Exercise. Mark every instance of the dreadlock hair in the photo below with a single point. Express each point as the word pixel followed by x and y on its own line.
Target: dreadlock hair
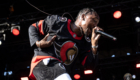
pixel 85 11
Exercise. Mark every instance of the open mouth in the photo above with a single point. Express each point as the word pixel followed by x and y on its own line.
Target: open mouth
pixel 87 36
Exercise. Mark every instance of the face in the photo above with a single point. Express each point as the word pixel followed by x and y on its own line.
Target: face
pixel 89 22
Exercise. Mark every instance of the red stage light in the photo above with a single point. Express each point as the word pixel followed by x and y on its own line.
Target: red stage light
pixel 24 78
pixel 138 65
pixel 77 76
pixel 15 32
pixel 117 14
pixel 88 72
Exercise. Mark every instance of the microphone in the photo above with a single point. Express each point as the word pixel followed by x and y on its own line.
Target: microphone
pixel 105 34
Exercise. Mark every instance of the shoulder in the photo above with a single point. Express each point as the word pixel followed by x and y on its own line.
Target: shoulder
pixel 31 28
pixel 55 18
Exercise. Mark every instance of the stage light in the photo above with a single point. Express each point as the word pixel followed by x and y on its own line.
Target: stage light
pixel 24 78
pixel 28 66
pixel 0 42
pixel 5 73
pixel 137 52
pixel 88 72
pixel 15 30
pixel 138 65
pixel 4 37
pixel 137 19
pixel 77 76
pixel 133 76
pixel 113 55
pixel 117 14
pixel 98 79
pixel 128 53
pixel 10 72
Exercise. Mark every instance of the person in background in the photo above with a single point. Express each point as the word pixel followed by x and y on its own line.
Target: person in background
pixel 127 76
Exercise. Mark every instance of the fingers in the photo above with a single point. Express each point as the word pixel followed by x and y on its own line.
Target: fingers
pixel 51 41
pixel 97 37
pixel 98 28
pixel 45 38
pixel 94 35
pixel 53 38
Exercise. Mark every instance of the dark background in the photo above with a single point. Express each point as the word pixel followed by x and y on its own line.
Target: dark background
pixel 16 53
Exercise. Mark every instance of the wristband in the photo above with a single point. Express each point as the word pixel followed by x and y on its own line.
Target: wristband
pixel 94 46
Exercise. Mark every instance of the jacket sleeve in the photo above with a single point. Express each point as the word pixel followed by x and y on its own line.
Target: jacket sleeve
pixel 38 30
pixel 33 35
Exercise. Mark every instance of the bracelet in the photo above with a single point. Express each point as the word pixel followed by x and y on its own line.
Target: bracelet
pixel 94 46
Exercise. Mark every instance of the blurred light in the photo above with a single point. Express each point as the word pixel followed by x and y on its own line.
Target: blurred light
pixel 128 53
pixel 137 52
pixel 77 76
pixel 137 19
pixel 11 9
pixel 113 55
pixel 117 14
pixel 5 73
pixel 98 79
pixel 2 31
pixel 24 78
pixel 15 29
pixel 4 36
pixel 10 72
pixel 15 32
pixel 138 65
pixel 134 76
pixel 88 72
pixel 0 42
pixel 28 66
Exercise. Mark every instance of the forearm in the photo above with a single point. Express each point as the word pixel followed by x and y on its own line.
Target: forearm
pixel 94 47
pixel 41 44
pixel 94 50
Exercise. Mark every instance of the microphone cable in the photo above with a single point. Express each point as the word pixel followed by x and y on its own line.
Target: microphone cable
pixel 37 8
pixel 45 12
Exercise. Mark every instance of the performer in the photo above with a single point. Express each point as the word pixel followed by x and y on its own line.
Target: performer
pixel 58 43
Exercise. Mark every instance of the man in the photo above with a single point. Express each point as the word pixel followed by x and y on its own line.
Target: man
pixel 127 76
pixel 58 43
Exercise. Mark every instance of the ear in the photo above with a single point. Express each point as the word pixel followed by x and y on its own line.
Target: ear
pixel 83 16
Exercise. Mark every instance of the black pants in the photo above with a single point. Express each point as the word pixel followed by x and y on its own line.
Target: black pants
pixel 50 71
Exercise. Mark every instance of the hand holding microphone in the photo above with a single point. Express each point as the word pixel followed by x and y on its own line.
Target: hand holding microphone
pixel 96 33
pixel 95 37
